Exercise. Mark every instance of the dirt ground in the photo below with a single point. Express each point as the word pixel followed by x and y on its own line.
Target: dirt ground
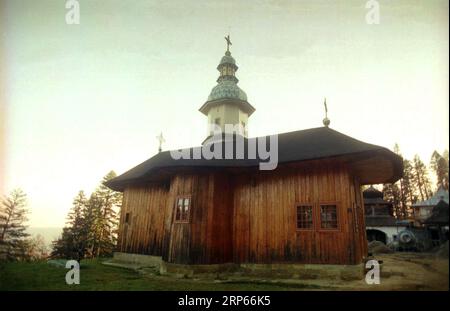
pixel 412 271
pixel 400 271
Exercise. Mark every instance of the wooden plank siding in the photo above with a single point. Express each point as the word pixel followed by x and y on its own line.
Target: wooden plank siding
pixel 248 217
pixel 147 210
pixel 265 216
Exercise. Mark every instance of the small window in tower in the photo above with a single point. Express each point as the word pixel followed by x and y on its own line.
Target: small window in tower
pixel 328 217
pixel 244 129
pixel 304 217
pixel 182 209
pixel 127 218
pixel 217 121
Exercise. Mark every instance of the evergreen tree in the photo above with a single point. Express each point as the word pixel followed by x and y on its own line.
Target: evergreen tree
pixel 92 224
pixel 13 215
pixel 107 219
pixel 421 180
pixel 439 164
pixel 66 246
pixel 73 242
pixel 408 195
pixel 391 194
pixel 402 192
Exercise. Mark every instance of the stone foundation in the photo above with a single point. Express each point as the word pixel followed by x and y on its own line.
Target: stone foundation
pixel 279 270
pixel 137 260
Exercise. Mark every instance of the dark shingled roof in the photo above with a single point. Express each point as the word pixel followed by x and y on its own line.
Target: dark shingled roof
pixel 315 143
pixel 372 193
pixel 374 196
pixel 439 215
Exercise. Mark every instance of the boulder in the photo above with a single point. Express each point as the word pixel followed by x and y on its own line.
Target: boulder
pixel 377 247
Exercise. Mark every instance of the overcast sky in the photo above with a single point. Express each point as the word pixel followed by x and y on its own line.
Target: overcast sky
pixel 83 99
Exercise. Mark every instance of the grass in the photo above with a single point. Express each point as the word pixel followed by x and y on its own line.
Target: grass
pixel 95 276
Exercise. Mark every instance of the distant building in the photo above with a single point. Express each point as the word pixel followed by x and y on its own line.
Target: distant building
pixel 423 209
pixel 381 225
pixel 437 223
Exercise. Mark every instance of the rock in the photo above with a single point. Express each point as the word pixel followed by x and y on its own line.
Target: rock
pixel 377 247
pixel 393 245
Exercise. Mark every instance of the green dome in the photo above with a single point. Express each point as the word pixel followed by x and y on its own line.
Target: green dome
pixel 227 89
pixel 227 59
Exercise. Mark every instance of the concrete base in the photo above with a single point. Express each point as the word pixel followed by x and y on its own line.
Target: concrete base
pixel 279 271
pixel 198 270
pixel 136 260
pixel 305 271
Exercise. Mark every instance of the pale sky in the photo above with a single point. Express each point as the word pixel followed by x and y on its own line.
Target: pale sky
pixel 80 100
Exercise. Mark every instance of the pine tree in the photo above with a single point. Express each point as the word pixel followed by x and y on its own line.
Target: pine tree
pixel 77 223
pixel 65 247
pixel 107 223
pixel 73 242
pixel 404 192
pixel 439 164
pixel 421 180
pixel 92 223
pixel 408 196
pixel 75 216
pixel 392 195
pixel 13 215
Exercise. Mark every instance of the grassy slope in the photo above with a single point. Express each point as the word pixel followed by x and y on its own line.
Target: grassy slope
pixel 95 276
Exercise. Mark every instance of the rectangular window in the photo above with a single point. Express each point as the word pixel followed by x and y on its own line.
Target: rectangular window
pixel 182 209
pixel 244 129
pixel 304 217
pixel 127 218
pixel 328 216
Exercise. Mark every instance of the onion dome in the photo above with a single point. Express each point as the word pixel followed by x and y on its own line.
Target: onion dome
pixel 227 88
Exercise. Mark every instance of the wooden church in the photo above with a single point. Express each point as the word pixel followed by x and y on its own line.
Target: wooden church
pixel 309 209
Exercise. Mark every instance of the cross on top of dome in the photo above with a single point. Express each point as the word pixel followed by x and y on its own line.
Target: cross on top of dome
pixel 227 38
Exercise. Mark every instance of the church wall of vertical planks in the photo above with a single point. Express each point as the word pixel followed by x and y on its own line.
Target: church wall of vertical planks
pixel 308 208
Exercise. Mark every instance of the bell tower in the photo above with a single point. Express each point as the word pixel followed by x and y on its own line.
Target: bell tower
pixel 227 103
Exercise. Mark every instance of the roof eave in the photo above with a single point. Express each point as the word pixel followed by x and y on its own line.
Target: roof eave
pixel 243 104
